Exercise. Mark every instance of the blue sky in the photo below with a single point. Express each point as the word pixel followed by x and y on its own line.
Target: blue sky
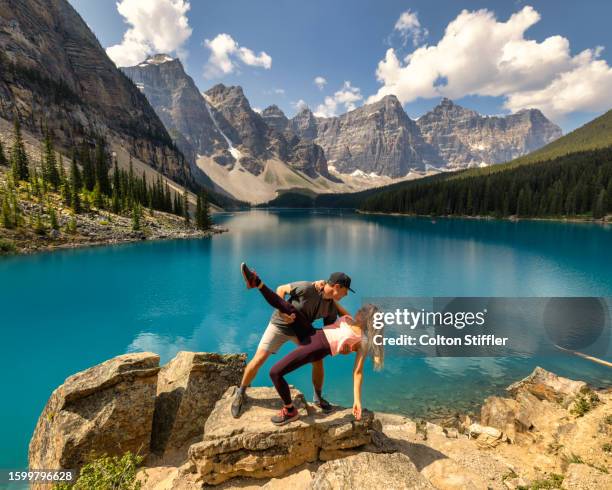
pixel 274 49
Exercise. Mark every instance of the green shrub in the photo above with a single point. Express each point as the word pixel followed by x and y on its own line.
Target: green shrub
pixel 6 246
pixel 584 402
pixel 107 473
pixel 553 481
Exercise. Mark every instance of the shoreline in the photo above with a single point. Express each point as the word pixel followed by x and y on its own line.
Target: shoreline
pixel 73 245
pixel 603 221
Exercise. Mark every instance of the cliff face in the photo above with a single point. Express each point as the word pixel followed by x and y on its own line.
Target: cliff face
pixel 381 138
pixel 179 104
pixel 54 73
pixel 376 137
pixel 464 138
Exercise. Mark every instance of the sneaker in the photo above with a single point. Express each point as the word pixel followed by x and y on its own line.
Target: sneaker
pixel 250 277
pixel 237 403
pixel 285 415
pixel 324 405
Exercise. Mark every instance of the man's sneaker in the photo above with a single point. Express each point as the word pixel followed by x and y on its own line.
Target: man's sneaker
pixel 250 277
pixel 324 405
pixel 285 416
pixel 237 402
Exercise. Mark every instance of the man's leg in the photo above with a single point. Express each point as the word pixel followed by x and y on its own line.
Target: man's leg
pixel 251 369
pixel 318 375
pixel 271 341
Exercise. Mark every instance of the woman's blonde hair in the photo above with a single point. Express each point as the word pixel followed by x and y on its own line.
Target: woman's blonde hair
pixel 365 319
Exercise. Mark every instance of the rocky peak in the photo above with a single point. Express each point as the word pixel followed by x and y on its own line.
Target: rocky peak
pixel 464 138
pixel 158 59
pixel 304 124
pixel 180 105
pixel 377 137
pixel 275 118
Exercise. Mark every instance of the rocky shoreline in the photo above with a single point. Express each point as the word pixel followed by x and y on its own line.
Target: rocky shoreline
pixel 548 432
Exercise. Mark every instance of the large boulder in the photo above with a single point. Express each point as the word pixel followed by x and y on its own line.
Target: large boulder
pixel 545 385
pixel 372 471
pixel 106 409
pixel 252 446
pixel 187 389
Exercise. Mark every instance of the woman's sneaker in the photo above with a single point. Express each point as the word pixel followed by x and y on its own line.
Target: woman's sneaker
pixel 250 277
pixel 285 416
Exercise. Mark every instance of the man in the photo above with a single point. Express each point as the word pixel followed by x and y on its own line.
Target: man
pixel 314 300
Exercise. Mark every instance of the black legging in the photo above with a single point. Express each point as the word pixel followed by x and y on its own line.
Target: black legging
pixel 313 344
pixel 301 326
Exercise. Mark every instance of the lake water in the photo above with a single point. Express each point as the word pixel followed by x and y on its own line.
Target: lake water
pixel 65 311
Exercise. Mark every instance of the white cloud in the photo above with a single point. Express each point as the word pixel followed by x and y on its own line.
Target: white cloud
pixel 225 52
pixel 155 26
pixel 279 91
pixel 300 105
pixel 320 82
pixel 347 97
pixel 479 55
pixel 409 27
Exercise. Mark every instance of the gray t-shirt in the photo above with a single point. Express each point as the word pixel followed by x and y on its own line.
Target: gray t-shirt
pixel 305 297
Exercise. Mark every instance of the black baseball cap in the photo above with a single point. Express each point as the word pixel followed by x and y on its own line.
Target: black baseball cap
pixel 340 278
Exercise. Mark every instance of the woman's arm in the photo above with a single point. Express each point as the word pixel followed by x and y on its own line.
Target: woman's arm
pixel 341 309
pixel 357 381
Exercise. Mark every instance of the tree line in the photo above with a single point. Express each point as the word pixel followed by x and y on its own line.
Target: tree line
pixel 94 180
pixel 578 184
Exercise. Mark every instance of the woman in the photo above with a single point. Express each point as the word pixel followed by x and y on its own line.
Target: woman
pixel 344 336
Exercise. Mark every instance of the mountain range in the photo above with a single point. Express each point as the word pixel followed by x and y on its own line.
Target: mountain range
pixel 57 77
pixel 254 156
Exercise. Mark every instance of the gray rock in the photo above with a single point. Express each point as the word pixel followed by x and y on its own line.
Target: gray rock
pixel 376 137
pixel 464 138
pixel 252 446
pixel 187 389
pixel 371 471
pixel 105 409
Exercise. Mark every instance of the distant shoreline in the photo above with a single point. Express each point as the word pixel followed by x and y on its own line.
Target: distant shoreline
pixel 603 221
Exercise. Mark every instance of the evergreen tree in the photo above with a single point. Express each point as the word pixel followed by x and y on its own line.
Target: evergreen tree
pixel 53 218
pixel 136 215
pixel 101 169
pixel 98 198
pixel 89 174
pixel 3 160
pixel 203 218
pixel 7 213
pixel 49 165
pixel 75 186
pixel 19 159
pixel 186 208
pixel 601 205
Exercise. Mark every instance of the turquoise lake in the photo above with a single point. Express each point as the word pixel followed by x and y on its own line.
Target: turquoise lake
pixel 65 311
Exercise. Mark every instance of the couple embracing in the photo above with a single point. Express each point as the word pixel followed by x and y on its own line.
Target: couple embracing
pixel 293 321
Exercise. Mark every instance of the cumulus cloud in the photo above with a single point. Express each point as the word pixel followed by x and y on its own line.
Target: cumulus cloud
pixel 409 28
pixel 155 26
pixel 479 55
pixel 300 105
pixel 346 97
pixel 225 54
pixel 320 82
